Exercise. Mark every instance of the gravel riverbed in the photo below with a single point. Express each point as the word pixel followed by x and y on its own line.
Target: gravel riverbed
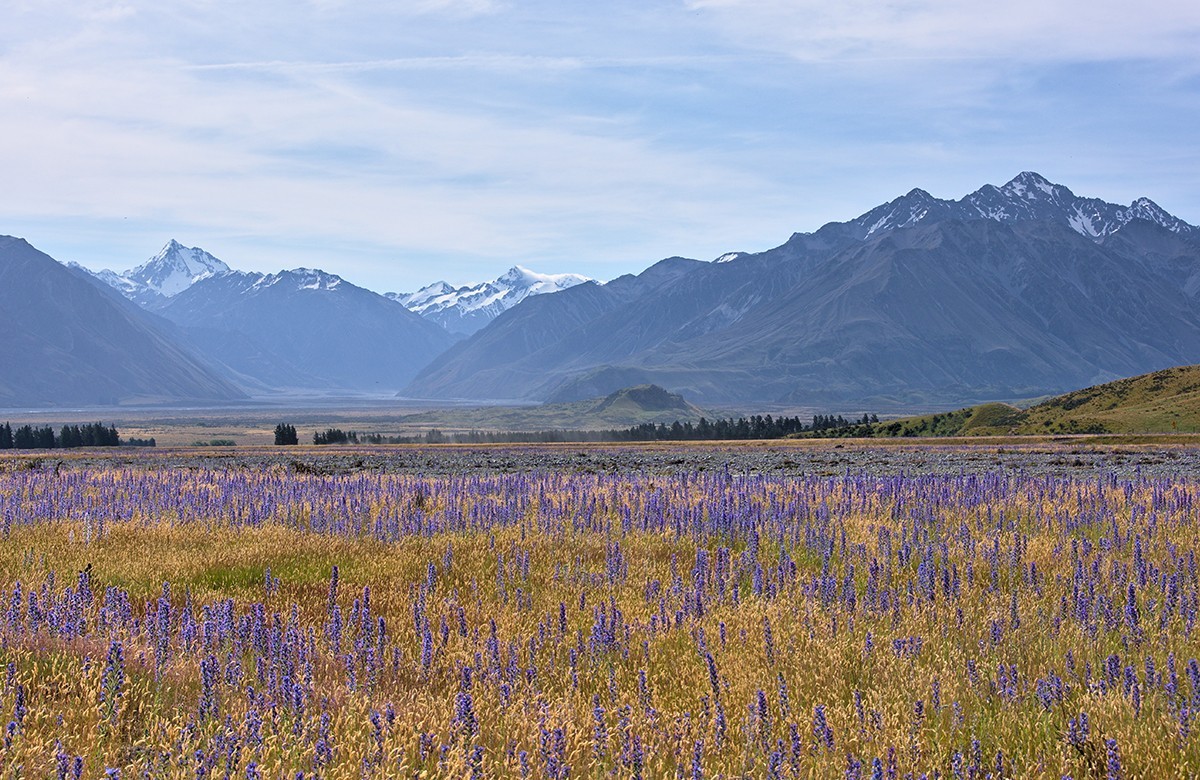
pixel 1060 458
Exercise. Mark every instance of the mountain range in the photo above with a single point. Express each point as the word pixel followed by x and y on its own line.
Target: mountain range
pixel 308 330
pixel 1010 292
pixel 1014 291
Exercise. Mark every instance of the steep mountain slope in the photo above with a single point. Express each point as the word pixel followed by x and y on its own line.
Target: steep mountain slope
pixel 305 329
pixel 465 310
pixel 1013 291
pixel 970 310
pixel 68 340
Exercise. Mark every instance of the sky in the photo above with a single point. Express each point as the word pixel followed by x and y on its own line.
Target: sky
pixel 405 141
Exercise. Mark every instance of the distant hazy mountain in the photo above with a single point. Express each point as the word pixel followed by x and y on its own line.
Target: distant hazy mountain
pixel 67 339
pixel 465 310
pixel 304 329
pixel 487 365
pixel 1013 291
pixel 163 276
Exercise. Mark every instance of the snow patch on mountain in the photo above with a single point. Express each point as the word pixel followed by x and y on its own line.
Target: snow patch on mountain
pixel 467 309
pixel 1029 196
pixel 298 279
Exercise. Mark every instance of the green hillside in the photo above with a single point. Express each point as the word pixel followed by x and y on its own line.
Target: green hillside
pixel 1165 401
pixel 1162 402
pixel 983 420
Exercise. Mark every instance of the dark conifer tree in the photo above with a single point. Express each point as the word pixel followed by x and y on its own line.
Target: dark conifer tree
pixel 285 434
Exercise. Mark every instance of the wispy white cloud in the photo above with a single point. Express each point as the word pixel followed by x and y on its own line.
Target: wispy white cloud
pixel 1014 30
pixel 367 136
pixel 320 154
pixel 489 62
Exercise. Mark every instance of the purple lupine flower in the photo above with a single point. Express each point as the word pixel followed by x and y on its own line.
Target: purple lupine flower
pixel 464 716
pixel 1132 616
pixel 820 728
pixel 698 760
pixel 775 765
pixel 600 729
pixel 761 714
pixel 714 679
pixel 20 707
pixel 476 762
pixel 113 680
pixel 210 670
pixel 768 641
pixel 1113 763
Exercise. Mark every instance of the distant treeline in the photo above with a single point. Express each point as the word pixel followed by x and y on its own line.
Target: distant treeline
pixel 753 427
pixel 338 436
pixel 27 437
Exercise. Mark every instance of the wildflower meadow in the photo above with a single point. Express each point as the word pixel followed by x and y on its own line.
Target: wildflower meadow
pixel 238 623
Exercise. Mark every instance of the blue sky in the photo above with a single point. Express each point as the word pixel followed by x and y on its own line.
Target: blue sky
pixel 396 143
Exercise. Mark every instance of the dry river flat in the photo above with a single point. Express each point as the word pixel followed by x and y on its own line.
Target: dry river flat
pixel 1166 456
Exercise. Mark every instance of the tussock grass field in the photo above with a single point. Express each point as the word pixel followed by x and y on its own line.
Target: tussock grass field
pixel 185 622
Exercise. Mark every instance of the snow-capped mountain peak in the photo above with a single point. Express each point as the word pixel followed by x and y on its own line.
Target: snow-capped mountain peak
pixel 175 268
pixel 1144 208
pixel 1028 184
pixel 467 309
pixel 1028 196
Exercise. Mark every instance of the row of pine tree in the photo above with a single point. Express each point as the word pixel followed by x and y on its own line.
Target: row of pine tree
pixel 752 427
pixel 27 437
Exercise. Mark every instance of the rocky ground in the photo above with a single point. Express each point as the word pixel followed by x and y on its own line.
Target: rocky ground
pixel 826 458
